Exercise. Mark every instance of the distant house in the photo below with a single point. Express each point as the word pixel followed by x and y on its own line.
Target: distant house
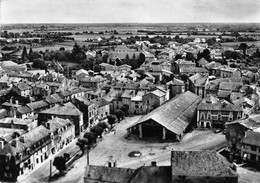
pixel 102 108
pixel 154 99
pixel 226 72
pixel 202 62
pixel 176 87
pixel 237 131
pixel 41 89
pixel 215 115
pixel 170 120
pixel 66 111
pixel 87 108
pixel 180 64
pixel 198 83
pixel 124 67
pixel 22 89
pixel 24 153
pixel 193 71
pixel 108 67
pixel 92 82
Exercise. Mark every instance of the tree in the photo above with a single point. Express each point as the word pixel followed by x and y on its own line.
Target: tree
pixel 34 55
pixel 39 63
pixel 97 130
pixel 190 56
pixel 178 56
pixel 111 119
pixel 103 125
pixel 91 137
pixel 141 59
pixel 96 68
pixel 205 54
pixel 125 109
pixel 243 47
pixel 24 54
pixel 120 115
pixel 60 163
pixel 77 53
pixel 82 142
pixel 127 60
pixel 30 52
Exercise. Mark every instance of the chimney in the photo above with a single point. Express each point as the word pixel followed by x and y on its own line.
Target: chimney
pixel 109 164
pixel 47 125
pixel 22 139
pixel 2 145
pixel 14 142
pixel 153 163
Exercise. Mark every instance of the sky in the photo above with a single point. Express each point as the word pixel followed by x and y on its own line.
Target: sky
pixel 129 11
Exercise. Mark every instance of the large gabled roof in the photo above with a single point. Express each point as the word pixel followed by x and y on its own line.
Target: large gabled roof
pixel 67 109
pixel 176 114
pixel 200 163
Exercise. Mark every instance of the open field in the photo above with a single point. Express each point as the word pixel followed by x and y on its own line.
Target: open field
pixel 233 44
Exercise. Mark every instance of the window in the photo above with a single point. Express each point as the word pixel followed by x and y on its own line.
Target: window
pixel 208 116
pixel 253 148
pixel 37 161
pixel 202 116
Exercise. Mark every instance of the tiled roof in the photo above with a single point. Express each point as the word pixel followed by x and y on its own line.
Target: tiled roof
pixel 6 133
pixel 194 70
pixel 158 93
pixel 200 163
pixel 22 86
pixel 230 86
pixel 24 110
pixel 54 98
pixel 203 61
pixel 176 114
pixel 30 138
pixel 37 105
pixel 128 94
pixel 220 106
pixel 100 102
pixel 85 100
pixel 16 121
pixel 66 110
pixel 252 138
pixel 108 174
pixel 252 123
pixel 57 123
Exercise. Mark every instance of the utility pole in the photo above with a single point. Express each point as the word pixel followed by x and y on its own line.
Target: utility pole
pixel 50 168
pixel 87 154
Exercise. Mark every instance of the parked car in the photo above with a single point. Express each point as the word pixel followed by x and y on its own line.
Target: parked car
pixel 217 130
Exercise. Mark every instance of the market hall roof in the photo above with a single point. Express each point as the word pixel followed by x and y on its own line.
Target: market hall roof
pixel 176 114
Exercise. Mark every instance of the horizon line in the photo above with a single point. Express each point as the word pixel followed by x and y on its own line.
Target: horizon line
pixel 138 23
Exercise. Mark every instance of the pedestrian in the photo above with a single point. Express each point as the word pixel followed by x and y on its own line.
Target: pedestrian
pixel 114 132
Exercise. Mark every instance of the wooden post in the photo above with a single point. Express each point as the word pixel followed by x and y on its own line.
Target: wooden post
pixel 140 131
pixel 87 155
pixel 164 134
pixel 50 168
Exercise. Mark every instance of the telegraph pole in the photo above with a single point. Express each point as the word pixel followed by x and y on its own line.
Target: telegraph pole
pixel 87 154
pixel 50 168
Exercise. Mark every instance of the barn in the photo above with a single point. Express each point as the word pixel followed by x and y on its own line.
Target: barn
pixel 170 120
